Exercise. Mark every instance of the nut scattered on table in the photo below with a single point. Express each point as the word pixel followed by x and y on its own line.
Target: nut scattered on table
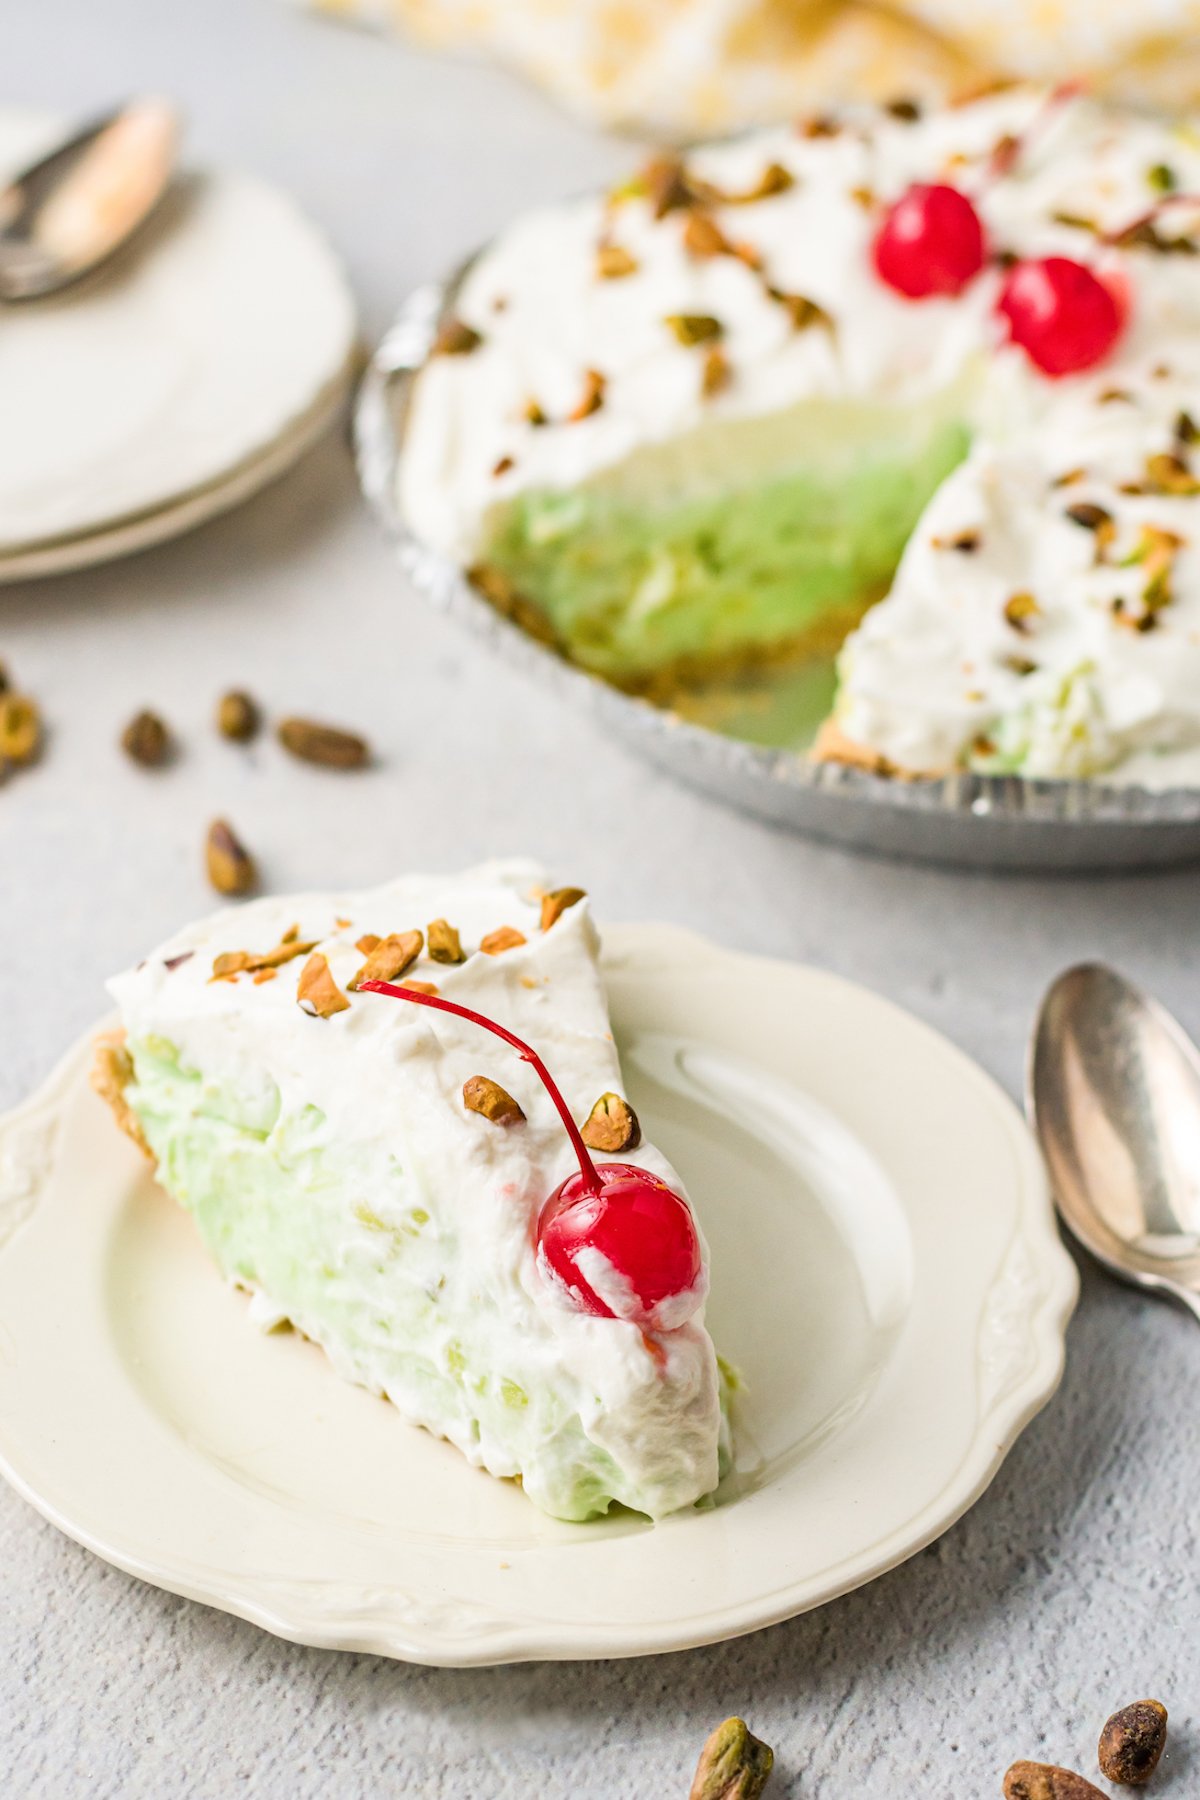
pixel 1045 1781
pixel 238 716
pixel 734 1764
pixel 1132 1742
pixel 230 866
pixel 327 745
pixel 612 1125
pixel 147 740
pixel 494 1103
pixel 20 728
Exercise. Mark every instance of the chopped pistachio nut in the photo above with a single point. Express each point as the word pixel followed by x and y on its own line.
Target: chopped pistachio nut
pixel 238 716
pixel 445 945
pixel 20 728
pixel 147 740
pixel 693 328
pixel 230 866
pixel 702 236
pixel 235 962
pixel 317 992
pixel 1162 178
pixel 613 262
pixel 1186 429
pixel 612 1125
pixel 533 414
pixel 592 398
pixel 506 937
pixel 664 182
pixel 734 1764
pixel 1167 473
pixel 326 745
pixel 555 904
pixel 389 959
pixel 1019 610
pixel 802 311
pixel 492 1102
pixel 455 338
pixel 717 374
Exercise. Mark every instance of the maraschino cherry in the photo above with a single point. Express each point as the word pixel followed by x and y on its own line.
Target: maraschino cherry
pixel 931 242
pixel 607 1217
pixel 1061 313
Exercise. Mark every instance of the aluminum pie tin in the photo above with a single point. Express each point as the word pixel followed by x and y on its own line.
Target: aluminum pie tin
pixel 976 821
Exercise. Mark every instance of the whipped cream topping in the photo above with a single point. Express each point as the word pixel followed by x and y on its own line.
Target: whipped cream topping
pixel 931 681
pixel 383 1081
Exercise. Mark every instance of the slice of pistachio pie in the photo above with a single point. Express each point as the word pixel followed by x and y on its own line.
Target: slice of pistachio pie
pixel 397 1119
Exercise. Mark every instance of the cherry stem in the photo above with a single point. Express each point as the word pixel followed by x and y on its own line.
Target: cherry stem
pixel 587 1167
pixel 1005 160
pixel 1149 216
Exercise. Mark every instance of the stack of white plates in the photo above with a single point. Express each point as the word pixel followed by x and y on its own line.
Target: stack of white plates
pixel 172 383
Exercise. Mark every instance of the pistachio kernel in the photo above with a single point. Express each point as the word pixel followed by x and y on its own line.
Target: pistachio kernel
pixel 506 937
pixel 389 959
pixel 238 716
pixel 613 262
pixel 1167 473
pixel 1162 178
pixel 230 866
pixel 445 945
pixel 326 745
pixel 612 1125
pixel 803 312
pixel 1186 429
pixel 236 962
pixel 147 740
pixel 1045 1781
pixel 1132 1742
pixel 492 1102
pixel 556 904
pixel 717 374
pixel 455 338
pixel 702 236
pixel 1019 609
pixel 693 328
pixel 20 728
pixel 592 398
pixel 317 992
pixel 734 1764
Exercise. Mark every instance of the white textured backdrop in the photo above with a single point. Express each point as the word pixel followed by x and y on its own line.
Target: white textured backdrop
pixel 1070 1588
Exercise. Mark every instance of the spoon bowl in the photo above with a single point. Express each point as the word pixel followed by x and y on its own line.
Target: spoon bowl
pixel 1114 1097
pixel 72 209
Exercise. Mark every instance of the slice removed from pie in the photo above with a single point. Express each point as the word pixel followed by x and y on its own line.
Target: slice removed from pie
pixel 401 1186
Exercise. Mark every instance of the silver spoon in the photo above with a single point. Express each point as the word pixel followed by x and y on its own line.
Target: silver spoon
pixel 70 210
pixel 1114 1096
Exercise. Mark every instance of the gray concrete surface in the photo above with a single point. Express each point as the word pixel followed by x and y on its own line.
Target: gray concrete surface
pixel 1071 1587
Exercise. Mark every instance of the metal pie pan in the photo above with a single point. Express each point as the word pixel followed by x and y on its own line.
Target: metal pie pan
pixel 980 821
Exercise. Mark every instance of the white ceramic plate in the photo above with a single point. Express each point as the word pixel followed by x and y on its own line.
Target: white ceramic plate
pixel 886 1275
pixel 209 339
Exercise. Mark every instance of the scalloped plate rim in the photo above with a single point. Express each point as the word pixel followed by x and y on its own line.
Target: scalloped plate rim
pixel 369 1621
